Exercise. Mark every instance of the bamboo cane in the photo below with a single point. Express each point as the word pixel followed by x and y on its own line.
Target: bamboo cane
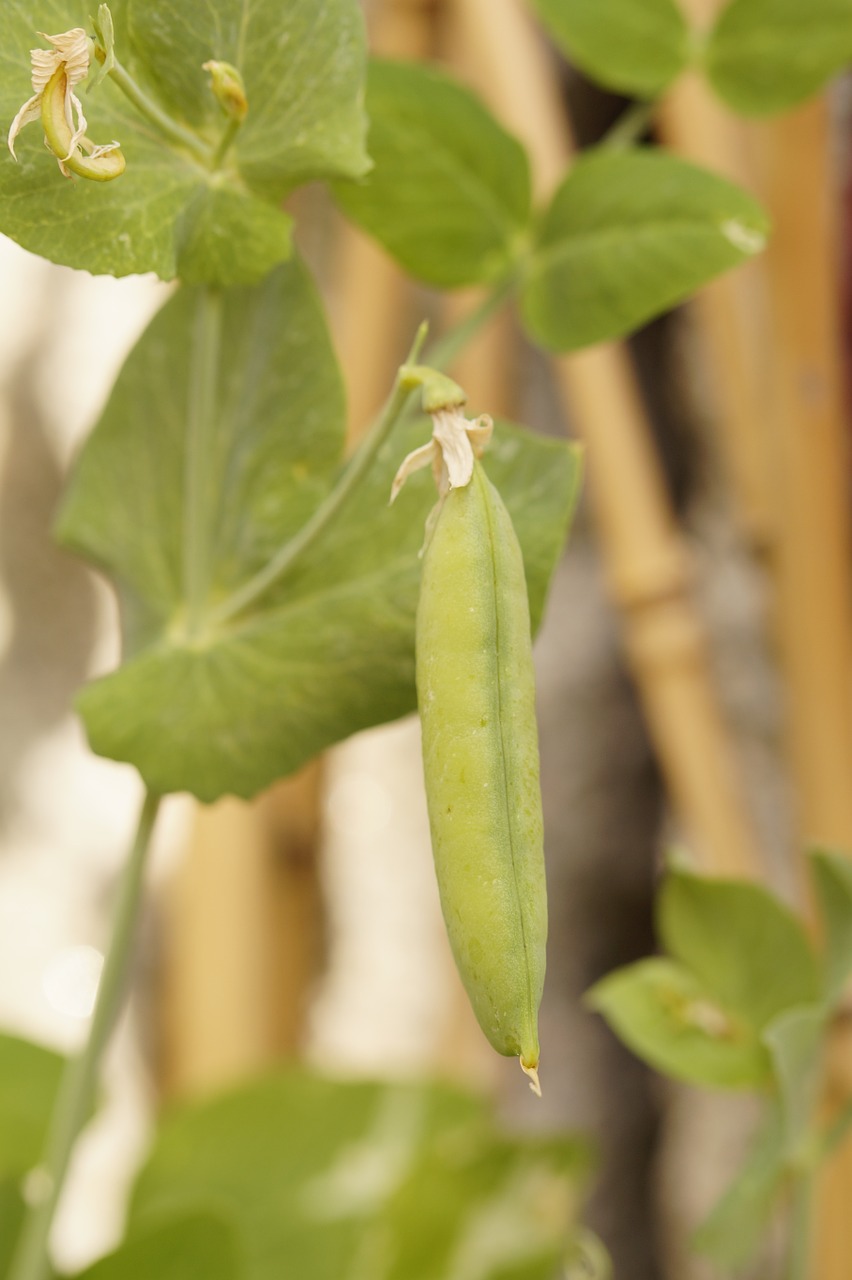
pixel 375 294
pixel 813 568
pixel 242 948
pixel 731 312
pixel 216 998
pixel 646 560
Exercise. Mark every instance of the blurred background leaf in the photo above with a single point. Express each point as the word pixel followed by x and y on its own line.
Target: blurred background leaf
pixel 449 196
pixel 635 48
pixel 628 235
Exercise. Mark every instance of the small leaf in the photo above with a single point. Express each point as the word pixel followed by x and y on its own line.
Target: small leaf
pixel 732 1233
pixel 795 1041
pixel 449 196
pixel 767 55
pixel 628 235
pixel 748 950
pixel 671 1021
pixel 832 878
pixel 329 650
pixel 634 46
pixel 29 1079
pixel 202 1244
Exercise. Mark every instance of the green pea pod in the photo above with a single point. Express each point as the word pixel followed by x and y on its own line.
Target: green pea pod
pixel 476 694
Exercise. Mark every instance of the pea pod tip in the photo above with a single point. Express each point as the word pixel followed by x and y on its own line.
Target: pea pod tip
pixel 532 1073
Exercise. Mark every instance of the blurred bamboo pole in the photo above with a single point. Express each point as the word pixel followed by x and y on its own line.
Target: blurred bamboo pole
pixel 731 312
pixel 374 292
pixel 244 938
pixel 813 565
pixel 646 560
pixel 810 471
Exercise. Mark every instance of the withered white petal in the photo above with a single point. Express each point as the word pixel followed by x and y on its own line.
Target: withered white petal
pixel 456 443
pixel 71 52
pixel 425 456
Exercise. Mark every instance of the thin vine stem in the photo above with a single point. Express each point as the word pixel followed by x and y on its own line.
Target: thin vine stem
pixel 630 126
pixel 227 140
pixel 201 453
pixel 79 1082
pixel 443 352
pixel 155 115
pixel 439 356
pixel 325 513
pixel 800 1231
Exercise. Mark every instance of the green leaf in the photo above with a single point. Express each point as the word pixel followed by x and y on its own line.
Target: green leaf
pixel 302 64
pixel 768 55
pixel 171 212
pixel 29 1079
pixel 406 1182
pixel 628 235
pixel 671 1020
pixel 733 1232
pixel 795 1041
pixel 329 650
pixel 229 238
pixel 197 1244
pixel 743 945
pixel 449 196
pixel 12 1210
pixel 634 46
pixel 832 878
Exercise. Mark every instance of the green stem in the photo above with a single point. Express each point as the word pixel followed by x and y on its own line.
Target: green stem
pixel 201 453
pixel 800 1231
pixel 441 354
pixel 226 141
pixel 79 1082
pixel 447 348
pixel 630 126
pixel 325 513
pixel 155 115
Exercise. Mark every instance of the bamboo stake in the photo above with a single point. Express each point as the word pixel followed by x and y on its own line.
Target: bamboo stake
pixel 813 568
pixel 730 312
pixel 810 477
pixel 375 293
pixel 216 997
pixel 646 560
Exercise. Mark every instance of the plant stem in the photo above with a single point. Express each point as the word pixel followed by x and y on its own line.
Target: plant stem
pixel 201 453
pixel 440 355
pixel 325 513
pixel 79 1082
pixel 800 1232
pixel 225 142
pixel 630 125
pixel 447 348
pixel 147 107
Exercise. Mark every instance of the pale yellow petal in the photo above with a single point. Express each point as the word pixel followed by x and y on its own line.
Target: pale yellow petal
pixel 449 428
pixel 72 49
pixel 29 112
pixel 416 461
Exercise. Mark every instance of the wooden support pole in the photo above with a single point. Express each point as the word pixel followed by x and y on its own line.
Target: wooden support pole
pixel 810 474
pixel 646 561
pixel 235 982
pixel 813 568
pixel 374 293
pixel 731 313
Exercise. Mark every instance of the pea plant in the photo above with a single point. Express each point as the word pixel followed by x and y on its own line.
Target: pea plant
pixel 273 602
